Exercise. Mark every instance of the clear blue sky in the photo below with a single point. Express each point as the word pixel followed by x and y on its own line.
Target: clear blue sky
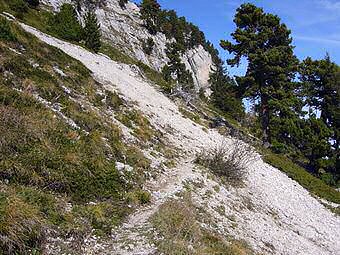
pixel 315 24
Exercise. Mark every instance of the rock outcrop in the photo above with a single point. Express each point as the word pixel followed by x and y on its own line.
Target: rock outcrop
pixel 123 28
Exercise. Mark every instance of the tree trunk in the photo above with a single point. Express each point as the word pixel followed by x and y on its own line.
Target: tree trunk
pixel 265 121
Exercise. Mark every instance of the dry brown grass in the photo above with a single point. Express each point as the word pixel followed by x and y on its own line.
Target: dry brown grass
pixel 177 221
pixel 228 161
pixel 21 226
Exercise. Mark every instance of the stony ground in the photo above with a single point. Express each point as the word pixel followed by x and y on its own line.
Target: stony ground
pixel 273 213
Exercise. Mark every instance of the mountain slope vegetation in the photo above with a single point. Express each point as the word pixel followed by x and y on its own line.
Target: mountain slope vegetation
pixel 98 155
pixel 58 145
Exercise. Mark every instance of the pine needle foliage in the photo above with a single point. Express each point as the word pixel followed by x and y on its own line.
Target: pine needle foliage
pixel 92 33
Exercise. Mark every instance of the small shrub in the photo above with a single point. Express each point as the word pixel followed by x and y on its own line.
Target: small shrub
pixel 5 30
pixel 176 222
pixel 144 197
pixel 102 216
pixel 228 161
pixel 148 46
pixel 113 100
pixel 139 196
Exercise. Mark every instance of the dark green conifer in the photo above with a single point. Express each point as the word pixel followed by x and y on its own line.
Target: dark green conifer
pixel 321 80
pixel 19 7
pixel 66 25
pixel 176 68
pixel 5 30
pixel 148 45
pixel 92 33
pixel 266 43
pixel 33 3
pixel 122 3
pixel 150 12
pixel 224 93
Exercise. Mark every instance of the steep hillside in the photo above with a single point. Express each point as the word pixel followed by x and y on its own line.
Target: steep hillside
pixel 123 28
pixel 96 159
pixel 271 212
pixel 67 146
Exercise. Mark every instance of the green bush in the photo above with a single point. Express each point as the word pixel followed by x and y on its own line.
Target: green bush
pixel 143 197
pixel 229 162
pixel 5 30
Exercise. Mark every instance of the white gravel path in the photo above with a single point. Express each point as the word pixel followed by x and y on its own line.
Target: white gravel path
pixel 283 219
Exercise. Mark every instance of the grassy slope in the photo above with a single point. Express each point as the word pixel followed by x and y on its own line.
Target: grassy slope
pixel 46 163
pixel 49 164
pixel 178 221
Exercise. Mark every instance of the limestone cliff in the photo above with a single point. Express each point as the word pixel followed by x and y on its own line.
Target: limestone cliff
pixel 123 28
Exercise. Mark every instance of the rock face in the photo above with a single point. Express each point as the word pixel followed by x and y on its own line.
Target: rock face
pixel 123 28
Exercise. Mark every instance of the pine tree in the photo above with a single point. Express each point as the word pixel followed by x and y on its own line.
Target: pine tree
pixel 148 45
pixel 6 33
pixel 321 79
pixel 176 68
pixel 150 12
pixel 314 144
pixel 65 24
pixel 266 43
pixel 224 91
pixel 19 7
pixel 92 33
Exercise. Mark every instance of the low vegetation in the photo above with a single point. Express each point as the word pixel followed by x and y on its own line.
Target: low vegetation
pixel 178 223
pixel 137 123
pixel 228 161
pixel 191 115
pixel 57 148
